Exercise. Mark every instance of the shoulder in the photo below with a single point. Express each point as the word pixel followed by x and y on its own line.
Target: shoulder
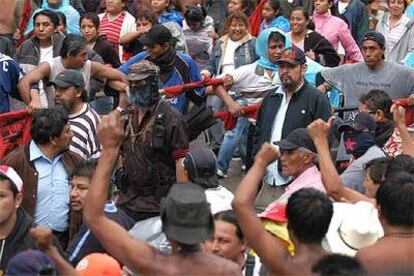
pixel 186 58
pixel 16 156
pixel 392 66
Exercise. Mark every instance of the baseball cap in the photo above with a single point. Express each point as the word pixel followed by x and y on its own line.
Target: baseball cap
pixel 275 212
pixel 353 226
pixel 292 55
pixel 361 122
pixel 374 36
pixel 31 262
pixel 200 164
pixel 98 264
pixel 296 139
pixel 68 78
pixel 142 70
pixel 11 174
pixel 158 34
pixel 185 214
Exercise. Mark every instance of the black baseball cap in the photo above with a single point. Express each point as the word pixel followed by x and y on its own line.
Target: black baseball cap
pixel 296 139
pixel 200 164
pixel 186 215
pixel 374 36
pixel 361 122
pixel 68 78
pixel 158 34
pixel 292 55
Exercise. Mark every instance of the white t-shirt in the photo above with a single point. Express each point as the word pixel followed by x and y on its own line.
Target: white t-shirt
pixel 46 54
pixel 228 56
pixel 342 6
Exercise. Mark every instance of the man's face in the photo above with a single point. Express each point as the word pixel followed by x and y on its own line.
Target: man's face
pixel 43 27
pixel 7 202
pixel 293 162
pixel 291 75
pixel 67 97
pixel 226 242
pixel 372 53
pixel 62 142
pixel 157 50
pixel 79 190
pixel 274 50
pixel 79 60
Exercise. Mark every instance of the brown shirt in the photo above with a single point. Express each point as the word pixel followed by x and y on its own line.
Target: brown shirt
pixel 151 173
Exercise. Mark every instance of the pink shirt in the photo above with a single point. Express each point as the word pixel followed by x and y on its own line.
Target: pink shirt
pixel 336 31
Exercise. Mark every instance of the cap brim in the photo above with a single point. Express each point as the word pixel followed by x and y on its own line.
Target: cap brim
pixel 137 77
pixel 207 182
pixel 59 83
pixel 349 125
pixel 288 61
pixel 286 145
pixel 146 41
pixel 189 235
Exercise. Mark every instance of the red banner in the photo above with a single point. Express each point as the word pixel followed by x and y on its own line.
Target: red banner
pixel 14 130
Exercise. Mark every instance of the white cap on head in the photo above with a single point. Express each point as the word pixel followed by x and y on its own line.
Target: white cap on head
pixel 11 174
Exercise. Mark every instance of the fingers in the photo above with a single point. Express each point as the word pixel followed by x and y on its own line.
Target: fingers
pixel 331 121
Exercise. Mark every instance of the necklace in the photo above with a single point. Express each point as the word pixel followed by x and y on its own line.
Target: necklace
pixel 405 235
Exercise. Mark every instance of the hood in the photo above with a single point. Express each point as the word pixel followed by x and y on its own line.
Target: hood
pixel 261 47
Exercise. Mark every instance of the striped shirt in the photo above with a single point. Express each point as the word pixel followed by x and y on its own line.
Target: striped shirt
pixel 112 27
pixel 84 126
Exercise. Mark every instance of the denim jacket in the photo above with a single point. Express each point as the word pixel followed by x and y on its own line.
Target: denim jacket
pixel 245 53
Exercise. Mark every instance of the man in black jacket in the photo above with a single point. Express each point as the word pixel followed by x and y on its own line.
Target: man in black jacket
pixel 293 105
pixel 15 223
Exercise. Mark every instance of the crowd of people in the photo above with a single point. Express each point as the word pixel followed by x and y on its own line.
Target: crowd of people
pixel 135 109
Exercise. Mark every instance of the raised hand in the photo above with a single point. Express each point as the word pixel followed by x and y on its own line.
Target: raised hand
pixel 320 129
pixel 398 114
pixel 43 237
pixel 111 131
pixel 267 154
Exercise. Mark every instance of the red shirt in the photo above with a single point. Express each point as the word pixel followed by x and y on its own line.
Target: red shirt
pixel 112 27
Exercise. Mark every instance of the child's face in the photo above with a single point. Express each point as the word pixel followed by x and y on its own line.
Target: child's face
pixel 268 12
pixel 143 25
pixel 159 6
pixel 234 5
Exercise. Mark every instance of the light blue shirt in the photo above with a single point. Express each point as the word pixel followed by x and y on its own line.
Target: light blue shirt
pixel 53 191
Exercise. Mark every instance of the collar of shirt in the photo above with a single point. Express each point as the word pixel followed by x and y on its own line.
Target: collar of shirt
pixel 36 153
pixel 308 179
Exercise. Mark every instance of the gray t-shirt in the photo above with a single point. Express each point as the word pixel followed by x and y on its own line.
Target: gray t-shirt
pixel 357 79
pixel 353 177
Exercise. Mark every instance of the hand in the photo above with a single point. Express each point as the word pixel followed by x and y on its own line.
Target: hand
pixel 34 104
pixel 319 129
pixel 205 74
pixel 267 154
pixel 311 54
pixel 411 99
pixel 213 35
pixel 398 114
pixel 111 131
pixel 228 81
pixel 235 109
pixel 43 237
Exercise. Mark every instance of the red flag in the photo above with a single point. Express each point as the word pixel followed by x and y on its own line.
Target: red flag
pixel 14 130
pixel 173 91
pixel 249 111
pixel 256 18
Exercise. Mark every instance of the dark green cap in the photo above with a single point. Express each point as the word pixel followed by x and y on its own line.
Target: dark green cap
pixel 68 78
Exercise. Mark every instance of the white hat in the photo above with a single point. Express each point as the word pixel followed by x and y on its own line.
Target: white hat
pixel 11 174
pixel 353 226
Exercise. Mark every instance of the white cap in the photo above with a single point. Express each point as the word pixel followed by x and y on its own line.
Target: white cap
pixel 353 226
pixel 11 174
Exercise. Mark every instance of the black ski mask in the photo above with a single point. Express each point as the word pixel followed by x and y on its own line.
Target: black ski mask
pixel 145 93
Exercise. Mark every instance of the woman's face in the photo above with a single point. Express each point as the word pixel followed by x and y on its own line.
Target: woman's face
pixel 371 187
pixel 159 6
pixel 297 22
pixel 234 5
pixel 396 7
pixel 114 6
pixel 322 6
pixel 237 29
pixel 88 29
pixel 268 12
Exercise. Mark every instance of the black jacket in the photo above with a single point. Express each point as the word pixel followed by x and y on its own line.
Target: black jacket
pixel 324 52
pixel 19 239
pixel 305 106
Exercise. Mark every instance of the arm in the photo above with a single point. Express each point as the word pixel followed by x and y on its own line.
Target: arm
pixel 271 250
pixel 350 46
pixel 44 240
pixel 319 132
pixel 398 113
pixel 140 256
pixel 234 108
pixel 179 171
pixel 115 78
pixel 34 76
pixel 127 38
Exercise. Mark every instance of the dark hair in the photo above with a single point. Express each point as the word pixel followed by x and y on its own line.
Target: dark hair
pixel 46 124
pixel 400 163
pixel 62 17
pixel 247 6
pixel 377 99
pixel 147 14
pixel 230 217
pixel 236 16
pixel 337 264
pixel 310 25
pixel 72 45
pixel 85 169
pixel 12 187
pixel 92 17
pixel 276 36
pixel 54 18
pixel 309 214
pixel 275 4
pixel 195 14
pixel 378 168
pixel 395 199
